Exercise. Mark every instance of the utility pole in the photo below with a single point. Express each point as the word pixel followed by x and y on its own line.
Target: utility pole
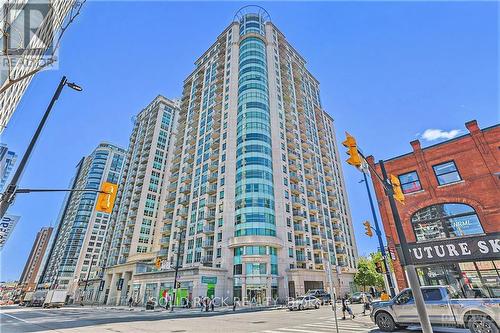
pixel 7 198
pixel 88 275
pixel 406 260
pixel 379 236
pixel 176 274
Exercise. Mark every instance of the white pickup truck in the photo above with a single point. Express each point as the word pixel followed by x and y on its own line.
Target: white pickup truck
pixel 444 308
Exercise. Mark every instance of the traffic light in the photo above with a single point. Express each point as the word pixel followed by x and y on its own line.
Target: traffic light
pixel 379 267
pixel 396 187
pixel 350 143
pixel 178 285
pixel 368 229
pixel 158 263
pixel 106 198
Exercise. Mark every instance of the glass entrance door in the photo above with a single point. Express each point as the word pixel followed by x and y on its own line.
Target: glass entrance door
pixel 256 295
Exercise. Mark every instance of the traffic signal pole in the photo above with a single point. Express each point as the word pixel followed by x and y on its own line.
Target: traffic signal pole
pixel 380 241
pixel 406 260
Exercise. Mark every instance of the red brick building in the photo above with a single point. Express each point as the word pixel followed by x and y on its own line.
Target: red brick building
pixel 451 212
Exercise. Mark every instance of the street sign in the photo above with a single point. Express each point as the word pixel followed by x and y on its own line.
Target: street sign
pixel 209 279
pixel 6 227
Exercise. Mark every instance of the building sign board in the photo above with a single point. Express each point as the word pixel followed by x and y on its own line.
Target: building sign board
pixel 209 279
pixel 483 247
pixel 6 227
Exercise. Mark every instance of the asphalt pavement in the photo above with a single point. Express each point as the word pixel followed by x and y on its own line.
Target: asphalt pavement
pixel 120 319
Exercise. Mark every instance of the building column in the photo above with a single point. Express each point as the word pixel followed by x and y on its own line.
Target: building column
pixel 112 289
pixel 123 297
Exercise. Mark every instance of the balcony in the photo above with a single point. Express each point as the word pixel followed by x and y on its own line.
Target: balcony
pixel 207 259
pixel 212 189
pixel 339 239
pixel 208 243
pixel 169 207
pixel 299 214
pixel 301 258
pixel 318 261
pixel 185 189
pixel 181 224
pixel 298 227
pixel 166 229
pixel 299 242
pixel 214 166
pixel 163 252
pixel 212 177
pixel 183 212
pixel 296 189
pixel 315 232
pixel 209 228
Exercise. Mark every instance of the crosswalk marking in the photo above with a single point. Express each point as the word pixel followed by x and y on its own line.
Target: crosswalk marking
pixel 326 326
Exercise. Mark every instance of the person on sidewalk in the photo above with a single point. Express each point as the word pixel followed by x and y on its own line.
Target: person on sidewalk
pixel 207 303
pixel 212 304
pixel 366 303
pixel 202 304
pixel 130 301
pixel 347 308
pixel 384 296
pixel 344 308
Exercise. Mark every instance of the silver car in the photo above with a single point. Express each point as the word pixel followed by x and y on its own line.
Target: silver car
pixel 304 302
pixel 444 308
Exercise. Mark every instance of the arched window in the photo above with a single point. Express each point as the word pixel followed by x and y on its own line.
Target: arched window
pixel 447 220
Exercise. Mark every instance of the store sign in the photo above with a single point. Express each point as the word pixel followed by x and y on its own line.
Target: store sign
pixel 209 279
pixel 482 247
pixel 6 227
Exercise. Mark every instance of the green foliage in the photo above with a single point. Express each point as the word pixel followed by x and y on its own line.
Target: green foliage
pixel 367 275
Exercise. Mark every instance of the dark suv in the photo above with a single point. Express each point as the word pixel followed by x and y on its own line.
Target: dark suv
pixel 320 294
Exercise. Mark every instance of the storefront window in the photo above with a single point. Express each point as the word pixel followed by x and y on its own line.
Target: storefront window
pixel 467 279
pixel 445 221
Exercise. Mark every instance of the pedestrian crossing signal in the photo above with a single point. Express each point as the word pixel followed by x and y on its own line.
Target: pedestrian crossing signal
pixel 106 197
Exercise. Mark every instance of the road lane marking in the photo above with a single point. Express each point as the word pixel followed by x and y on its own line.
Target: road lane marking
pixel 14 317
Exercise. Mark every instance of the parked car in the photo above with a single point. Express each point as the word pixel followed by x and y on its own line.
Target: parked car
pixel 358 297
pixel 320 294
pixel 443 306
pixel 304 302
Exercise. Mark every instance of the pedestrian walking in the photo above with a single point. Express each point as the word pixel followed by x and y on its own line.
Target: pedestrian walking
pixel 212 304
pixel 207 303
pixel 384 296
pixel 130 301
pixel 344 308
pixel 234 304
pixel 202 304
pixel 366 303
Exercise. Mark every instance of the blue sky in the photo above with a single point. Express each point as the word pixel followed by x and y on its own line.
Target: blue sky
pixel 388 72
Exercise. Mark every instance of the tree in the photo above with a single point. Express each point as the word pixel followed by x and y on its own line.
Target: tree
pixel 367 274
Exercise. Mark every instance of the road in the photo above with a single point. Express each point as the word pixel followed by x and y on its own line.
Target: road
pixel 66 320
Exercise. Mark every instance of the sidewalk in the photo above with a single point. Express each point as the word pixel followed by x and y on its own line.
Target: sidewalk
pixel 180 311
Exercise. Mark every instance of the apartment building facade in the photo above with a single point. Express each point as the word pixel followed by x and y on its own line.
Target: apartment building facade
pixel 7 161
pixel 256 205
pixel 26 55
pixel 135 231
pixel 77 246
pixel 28 280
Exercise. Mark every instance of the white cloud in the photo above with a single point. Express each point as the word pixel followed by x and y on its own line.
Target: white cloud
pixel 436 134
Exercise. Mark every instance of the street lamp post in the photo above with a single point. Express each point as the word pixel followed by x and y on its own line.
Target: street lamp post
pixel 176 274
pixel 7 198
pixel 88 275
pixel 379 236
